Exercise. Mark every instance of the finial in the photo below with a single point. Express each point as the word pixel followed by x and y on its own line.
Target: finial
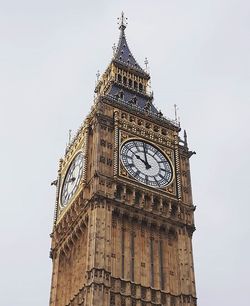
pixel 97 75
pixel 122 22
pixel 114 49
pixel 175 112
pixel 185 138
pixel 146 63
pixel 70 136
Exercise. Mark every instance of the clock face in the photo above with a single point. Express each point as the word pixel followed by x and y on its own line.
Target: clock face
pixel 146 163
pixel 72 179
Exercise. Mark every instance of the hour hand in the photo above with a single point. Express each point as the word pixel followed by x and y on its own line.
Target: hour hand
pixel 138 157
pixel 145 163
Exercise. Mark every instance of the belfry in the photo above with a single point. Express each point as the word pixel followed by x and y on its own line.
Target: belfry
pixel 124 215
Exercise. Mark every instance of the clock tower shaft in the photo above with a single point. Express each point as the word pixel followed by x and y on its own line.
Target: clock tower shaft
pixel 118 240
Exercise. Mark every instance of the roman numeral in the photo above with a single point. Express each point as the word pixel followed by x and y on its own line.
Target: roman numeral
pixel 156 181
pixel 137 173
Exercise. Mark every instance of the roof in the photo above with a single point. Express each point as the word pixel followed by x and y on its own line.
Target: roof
pixel 123 55
pixel 131 98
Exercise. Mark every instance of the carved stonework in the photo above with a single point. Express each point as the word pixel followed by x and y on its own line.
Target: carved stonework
pixel 118 241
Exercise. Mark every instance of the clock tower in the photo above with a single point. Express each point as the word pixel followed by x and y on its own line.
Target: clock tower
pixel 123 223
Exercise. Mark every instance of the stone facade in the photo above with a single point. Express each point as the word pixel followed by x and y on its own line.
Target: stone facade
pixel 119 242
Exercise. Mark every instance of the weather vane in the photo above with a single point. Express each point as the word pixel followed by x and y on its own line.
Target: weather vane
pixel 122 21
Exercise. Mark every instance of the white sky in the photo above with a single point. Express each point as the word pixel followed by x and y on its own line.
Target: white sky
pixel 199 57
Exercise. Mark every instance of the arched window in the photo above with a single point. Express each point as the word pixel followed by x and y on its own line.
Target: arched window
pixel 140 87
pixel 135 85
pixel 130 83
pixel 125 81
pixel 119 78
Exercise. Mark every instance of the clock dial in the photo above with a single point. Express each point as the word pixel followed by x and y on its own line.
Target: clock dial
pixel 146 163
pixel 72 179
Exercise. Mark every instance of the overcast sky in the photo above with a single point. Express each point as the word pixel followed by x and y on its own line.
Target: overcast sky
pixel 199 58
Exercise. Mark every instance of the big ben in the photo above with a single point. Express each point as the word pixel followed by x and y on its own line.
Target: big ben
pixel 124 215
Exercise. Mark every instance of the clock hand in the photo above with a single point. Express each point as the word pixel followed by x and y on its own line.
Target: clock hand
pixel 146 160
pixel 145 163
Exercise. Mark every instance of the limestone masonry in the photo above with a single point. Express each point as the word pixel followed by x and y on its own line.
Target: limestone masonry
pixel 124 215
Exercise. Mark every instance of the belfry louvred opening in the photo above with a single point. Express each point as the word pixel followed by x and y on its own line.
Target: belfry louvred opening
pixel 124 215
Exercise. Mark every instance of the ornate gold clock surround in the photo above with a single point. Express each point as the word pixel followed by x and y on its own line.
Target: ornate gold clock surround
pixel 125 136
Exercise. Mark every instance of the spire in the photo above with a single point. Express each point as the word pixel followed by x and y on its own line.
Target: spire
pixel 122 22
pixel 122 54
pixel 124 82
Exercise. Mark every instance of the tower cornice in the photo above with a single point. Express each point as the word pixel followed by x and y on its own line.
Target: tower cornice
pixel 134 109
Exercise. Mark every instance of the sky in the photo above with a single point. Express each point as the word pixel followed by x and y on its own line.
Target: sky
pixel 199 59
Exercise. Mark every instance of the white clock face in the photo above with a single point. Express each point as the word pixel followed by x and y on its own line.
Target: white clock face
pixel 72 179
pixel 146 163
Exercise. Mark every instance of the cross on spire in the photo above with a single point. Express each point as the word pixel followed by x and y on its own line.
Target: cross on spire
pixel 122 22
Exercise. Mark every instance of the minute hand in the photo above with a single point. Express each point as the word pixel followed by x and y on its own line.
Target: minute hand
pixel 146 160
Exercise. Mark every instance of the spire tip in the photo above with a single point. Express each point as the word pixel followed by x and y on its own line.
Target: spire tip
pixel 122 22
